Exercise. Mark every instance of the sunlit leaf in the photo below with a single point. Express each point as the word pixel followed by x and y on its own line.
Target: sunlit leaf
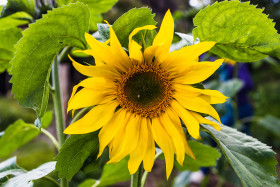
pixel 253 161
pixel 9 167
pixel 36 50
pixel 205 155
pixel 74 152
pixel 26 179
pixel 242 32
pixel 14 20
pixel 13 6
pixel 16 135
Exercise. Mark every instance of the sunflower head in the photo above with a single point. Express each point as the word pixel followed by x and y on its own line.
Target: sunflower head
pixel 140 99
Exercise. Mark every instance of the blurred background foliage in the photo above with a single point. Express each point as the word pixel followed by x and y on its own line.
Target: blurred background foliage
pixel 264 97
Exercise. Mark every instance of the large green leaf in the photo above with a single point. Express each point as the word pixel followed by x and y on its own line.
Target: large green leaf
pixel 9 37
pixel 242 32
pixel 136 17
pixel 9 167
pixel 205 155
pixel 253 161
pixel 26 179
pixel 74 152
pixel 17 135
pixel 96 8
pixel 270 123
pixel 31 65
pixel 20 5
pixel 14 20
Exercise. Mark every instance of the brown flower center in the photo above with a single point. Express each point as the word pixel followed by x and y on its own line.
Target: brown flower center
pixel 145 89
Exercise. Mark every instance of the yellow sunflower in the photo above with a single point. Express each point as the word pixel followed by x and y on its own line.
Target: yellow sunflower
pixel 141 99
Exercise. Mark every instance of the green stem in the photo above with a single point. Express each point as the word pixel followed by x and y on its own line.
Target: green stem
pixel 145 174
pixel 57 99
pixel 136 177
pixel 51 137
pixel 79 114
pixel 51 180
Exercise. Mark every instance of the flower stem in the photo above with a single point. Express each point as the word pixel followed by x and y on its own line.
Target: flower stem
pixel 57 99
pixel 136 177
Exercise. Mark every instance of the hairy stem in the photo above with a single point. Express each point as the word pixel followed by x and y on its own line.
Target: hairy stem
pixel 57 99
pixel 136 177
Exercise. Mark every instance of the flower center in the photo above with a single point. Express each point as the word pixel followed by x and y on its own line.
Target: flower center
pixel 145 90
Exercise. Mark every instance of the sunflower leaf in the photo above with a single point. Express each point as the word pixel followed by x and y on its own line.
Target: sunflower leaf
pixel 13 6
pixel 9 37
pixel 15 136
pixel 242 32
pixel 26 179
pixel 9 167
pixel 253 161
pixel 31 65
pixel 134 18
pixel 205 155
pixel 74 153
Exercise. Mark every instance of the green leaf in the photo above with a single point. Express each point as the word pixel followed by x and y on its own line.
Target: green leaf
pixel 231 87
pixel 9 167
pixel 114 173
pixel 253 161
pixel 96 8
pixel 26 179
pixel 45 121
pixel 205 155
pixel 242 32
pixel 74 152
pixel 31 65
pixel 134 18
pixel 14 20
pixel 9 37
pixel 87 183
pixel 187 38
pixel 20 5
pixel 16 135
pixel 104 31
pixel 270 123
pixel 182 180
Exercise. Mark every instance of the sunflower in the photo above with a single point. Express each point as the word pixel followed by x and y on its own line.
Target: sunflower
pixel 141 99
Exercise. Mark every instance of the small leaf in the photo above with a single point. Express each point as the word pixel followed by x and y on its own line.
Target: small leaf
pixel 205 155
pixel 13 6
pixel 31 65
pixel 253 161
pixel 104 31
pixel 74 152
pixel 134 18
pixel 270 123
pixel 9 167
pixel 231 87
pixel 45 121
pixel 114 173
pixel 9 37
pixel 242 32
pixel 26 179
pixel 16 135
pixel 186 37
pixel 14 20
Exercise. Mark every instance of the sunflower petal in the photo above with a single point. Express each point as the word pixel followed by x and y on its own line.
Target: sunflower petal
pixel 199 72
pixel 148 161
pixel 203 120
pixel 165 143
pixel 134 48
pixel 190 122
pixel 93 120
pixel 164 37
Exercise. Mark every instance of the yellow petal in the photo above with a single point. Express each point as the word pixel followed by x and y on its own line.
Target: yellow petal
pixel 175 135
pixel 119 53
pixel 137 155
pixel 93 120
pixel 97 61
pixel 149 53
pixel 177 123
pixel 198 105
pixel 88 97
pixel 211 96
pixel 148 161
pixel 203 120
pixel 97 71
pixel 199 72
pixel 164 37
pixel 130 138
pixel 134 48
pixel 190 122
pixel 165 143
pixel 108 132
